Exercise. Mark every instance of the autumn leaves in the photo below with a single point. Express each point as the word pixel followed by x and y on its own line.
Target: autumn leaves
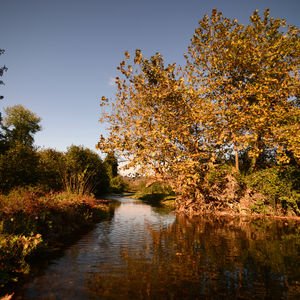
pixel 237 96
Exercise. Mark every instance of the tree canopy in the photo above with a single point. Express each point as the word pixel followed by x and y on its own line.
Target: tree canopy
pixel 18 157
pixel 21 124
pixel 250 77
pixel 237 95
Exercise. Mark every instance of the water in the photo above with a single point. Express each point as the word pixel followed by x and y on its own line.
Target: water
pixel 148 253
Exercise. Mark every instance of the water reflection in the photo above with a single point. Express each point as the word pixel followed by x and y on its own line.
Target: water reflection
pixel 142 254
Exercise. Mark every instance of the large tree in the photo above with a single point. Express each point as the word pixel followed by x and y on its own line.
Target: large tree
pixel 238 93
pixel 251 76
pixel 154 123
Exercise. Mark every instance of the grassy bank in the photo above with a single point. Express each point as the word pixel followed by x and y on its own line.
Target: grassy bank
pixel 34 223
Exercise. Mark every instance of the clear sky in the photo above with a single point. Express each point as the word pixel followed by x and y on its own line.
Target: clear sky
pixel 62 54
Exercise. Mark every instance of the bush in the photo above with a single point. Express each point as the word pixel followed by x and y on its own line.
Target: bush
pixel 279 186
pixel 14 251
pixel 84 172
pixel 51 166
pixel 31 220
pixel 118 185
pixel 154 192
pixel 217 175
pixel 18 167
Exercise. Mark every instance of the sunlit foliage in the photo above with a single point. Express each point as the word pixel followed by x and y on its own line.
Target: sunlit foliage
pixel 250 78
pixel 237 95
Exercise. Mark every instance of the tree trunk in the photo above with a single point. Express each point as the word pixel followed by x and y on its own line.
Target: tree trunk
pixel 236 154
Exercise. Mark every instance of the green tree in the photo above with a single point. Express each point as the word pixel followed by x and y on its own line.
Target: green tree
pixel 20 125
pixel 19 160
pixel 111 164
pixel 84 171
pixel 18 167
pixel 51 166
pixel 117 183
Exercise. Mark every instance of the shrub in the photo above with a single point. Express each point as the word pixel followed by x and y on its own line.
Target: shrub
pixel 117 184
pixel 50 169
pixel 84 172
pixel 31 220
pixel 278 185
pixel 14 251
pixel 18 167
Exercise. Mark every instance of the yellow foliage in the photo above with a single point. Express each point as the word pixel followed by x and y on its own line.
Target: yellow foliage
pixel 238 91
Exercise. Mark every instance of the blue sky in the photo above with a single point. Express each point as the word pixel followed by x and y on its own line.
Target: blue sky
pixel 62 54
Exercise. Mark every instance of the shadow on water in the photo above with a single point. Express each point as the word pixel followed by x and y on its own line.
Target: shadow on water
pixel 143 253
pixel 153 199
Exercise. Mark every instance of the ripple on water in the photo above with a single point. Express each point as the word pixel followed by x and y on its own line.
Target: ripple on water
pixel 142 254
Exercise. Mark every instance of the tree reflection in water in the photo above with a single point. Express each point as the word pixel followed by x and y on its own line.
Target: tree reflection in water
pixel 207 257
pixel 146 253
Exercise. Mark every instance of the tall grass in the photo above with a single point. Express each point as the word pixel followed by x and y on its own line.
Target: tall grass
pixel 81 183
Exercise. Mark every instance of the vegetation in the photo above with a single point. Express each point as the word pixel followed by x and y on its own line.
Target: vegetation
pixel 46 196
pixel 2 70
pixel 218 128
pixel 34 222
pixel 221 133
pixel 116 182
pixel 151 191
pixel 78 170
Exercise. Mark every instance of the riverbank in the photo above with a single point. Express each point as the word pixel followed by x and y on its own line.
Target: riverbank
pixel 270 192
pixel 250 205
pixel 35 224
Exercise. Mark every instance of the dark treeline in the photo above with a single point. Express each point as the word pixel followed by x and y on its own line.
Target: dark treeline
pixel 78 170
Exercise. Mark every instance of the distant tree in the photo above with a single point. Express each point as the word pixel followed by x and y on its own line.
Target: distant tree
pixel 117 183
pixel 20 125
pixel 111 164
pixel 51 168
pixel 18 160
pixel 84 171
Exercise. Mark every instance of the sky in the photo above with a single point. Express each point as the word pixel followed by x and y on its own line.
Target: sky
pixel 62 55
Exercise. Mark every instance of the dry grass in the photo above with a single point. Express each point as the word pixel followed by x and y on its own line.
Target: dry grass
pixel 32 201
